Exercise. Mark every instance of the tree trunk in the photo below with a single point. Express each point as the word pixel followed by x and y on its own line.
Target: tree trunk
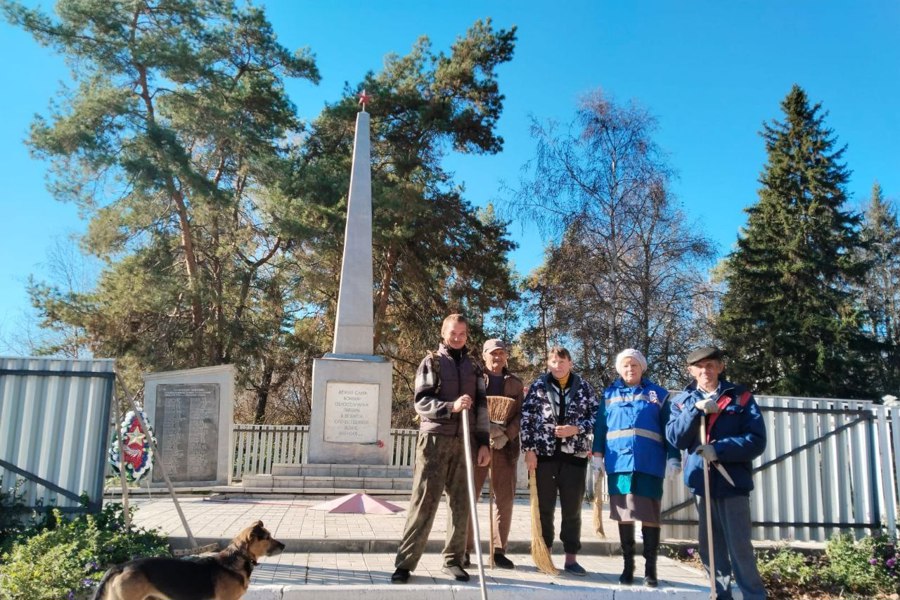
pixel 381 305
pixel 262 392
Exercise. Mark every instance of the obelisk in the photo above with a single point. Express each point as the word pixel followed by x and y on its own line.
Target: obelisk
pixel 354 326
pixel 351 395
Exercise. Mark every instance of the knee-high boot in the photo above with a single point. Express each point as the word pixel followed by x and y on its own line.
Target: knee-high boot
pixel 626 535
pixel 651 551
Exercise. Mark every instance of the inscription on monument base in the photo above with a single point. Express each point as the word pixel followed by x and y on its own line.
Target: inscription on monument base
pixel 351 412
pixel 187 430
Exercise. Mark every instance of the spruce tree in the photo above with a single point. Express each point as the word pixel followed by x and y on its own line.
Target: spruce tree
pixel 880 291
pixel 788 318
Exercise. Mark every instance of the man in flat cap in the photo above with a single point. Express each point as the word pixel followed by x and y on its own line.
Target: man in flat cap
pixel 735 435
pixel 505 394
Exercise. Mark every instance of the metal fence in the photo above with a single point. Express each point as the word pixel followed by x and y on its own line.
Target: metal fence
pixel 54 426
pixel 829 466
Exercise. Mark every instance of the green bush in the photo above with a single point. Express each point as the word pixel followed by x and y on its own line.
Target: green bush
pixel 66 560
pixel 849 568
pixel 886 563
pixel 787 569
pixel 12 514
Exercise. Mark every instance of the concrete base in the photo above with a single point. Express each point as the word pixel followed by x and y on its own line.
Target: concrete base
pixel 351 369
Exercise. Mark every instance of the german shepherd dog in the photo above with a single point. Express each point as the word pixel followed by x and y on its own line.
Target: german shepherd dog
pixel 222 576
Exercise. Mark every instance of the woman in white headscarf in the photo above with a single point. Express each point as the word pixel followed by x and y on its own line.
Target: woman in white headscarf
pixel 630 447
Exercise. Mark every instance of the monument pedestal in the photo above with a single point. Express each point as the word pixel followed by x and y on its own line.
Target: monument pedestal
pixel 351 410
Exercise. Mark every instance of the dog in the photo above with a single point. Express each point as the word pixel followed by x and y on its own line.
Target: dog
pixel 221 576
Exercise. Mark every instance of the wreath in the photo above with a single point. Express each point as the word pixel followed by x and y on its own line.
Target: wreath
pixel 138 456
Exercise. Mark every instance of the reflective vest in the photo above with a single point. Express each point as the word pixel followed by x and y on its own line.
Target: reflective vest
pixel 635 437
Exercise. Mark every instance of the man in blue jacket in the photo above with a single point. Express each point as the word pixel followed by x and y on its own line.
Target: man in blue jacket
pixel 736 434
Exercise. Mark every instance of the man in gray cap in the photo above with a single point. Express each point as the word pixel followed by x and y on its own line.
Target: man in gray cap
pixel 505 394
pixel 735 435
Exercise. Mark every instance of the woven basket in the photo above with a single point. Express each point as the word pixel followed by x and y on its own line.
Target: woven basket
pixel 500 409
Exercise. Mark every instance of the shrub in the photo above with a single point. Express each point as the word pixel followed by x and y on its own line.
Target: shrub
pixel 886 562
pixel 12 511
pixel 849 568
pixel 67 559
pixel 787 569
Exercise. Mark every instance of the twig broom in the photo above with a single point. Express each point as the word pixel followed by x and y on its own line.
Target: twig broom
pixel 598 504
pixel 540 554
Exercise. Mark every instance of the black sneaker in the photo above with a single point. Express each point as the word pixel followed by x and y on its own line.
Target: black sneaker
pixel 400 576
pixel 575 569
pixel 501 562
pixel 456 572
pixel 466 561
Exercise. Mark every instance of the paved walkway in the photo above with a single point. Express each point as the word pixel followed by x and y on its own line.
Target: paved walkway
pixel 332 556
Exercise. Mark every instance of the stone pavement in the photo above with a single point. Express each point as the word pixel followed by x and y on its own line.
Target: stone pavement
pixel 331 556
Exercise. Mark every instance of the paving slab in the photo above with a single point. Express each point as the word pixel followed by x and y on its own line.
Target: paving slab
pixel 331 556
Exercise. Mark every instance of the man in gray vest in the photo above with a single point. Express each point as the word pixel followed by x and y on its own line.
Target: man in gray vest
pixel 447 383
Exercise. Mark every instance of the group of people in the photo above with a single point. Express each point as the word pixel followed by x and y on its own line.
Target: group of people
pixel 634 434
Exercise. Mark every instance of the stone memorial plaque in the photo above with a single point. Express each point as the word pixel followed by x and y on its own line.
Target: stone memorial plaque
pixel 351 412
pixel 187 430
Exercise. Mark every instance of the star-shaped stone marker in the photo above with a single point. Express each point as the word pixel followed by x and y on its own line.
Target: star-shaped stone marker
pixel 364 99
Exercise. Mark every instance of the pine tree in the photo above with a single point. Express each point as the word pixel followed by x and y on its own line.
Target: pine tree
pixel 788 318
pixel 171 143
pixel 880 292
pixel 434 251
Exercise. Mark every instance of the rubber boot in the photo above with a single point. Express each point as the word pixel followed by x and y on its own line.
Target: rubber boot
pixel 651 551
pixel 626 535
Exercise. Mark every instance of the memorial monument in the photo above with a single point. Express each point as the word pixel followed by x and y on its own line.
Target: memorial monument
pixel 351 393
pixel 191 413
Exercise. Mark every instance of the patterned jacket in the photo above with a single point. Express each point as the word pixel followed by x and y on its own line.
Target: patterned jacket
pixel 539 421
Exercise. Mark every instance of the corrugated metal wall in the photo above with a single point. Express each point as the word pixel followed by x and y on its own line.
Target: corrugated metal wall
pixel 829 466
pixel 54 428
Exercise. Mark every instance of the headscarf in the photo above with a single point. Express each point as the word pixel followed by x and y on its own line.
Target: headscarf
pixel 631 353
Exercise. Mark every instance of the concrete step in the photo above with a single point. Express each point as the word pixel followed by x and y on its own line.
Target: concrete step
pixel 364 471
pixel 307 484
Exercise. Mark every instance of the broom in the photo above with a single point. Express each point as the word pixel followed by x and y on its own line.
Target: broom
pixel 539 552
pixel 598 505
pixel 500 409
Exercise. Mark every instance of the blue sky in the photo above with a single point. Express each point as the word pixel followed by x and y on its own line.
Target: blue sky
pixel 712 72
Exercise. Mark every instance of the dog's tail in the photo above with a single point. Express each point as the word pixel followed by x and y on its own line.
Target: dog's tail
pixel 100 594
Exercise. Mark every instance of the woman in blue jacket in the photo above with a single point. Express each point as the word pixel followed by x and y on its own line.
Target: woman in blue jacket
pixel 630 446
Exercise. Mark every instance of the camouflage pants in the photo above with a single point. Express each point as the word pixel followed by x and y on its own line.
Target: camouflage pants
pixel 440 467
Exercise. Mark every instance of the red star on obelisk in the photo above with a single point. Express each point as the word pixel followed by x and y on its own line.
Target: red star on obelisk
pixel 364 99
